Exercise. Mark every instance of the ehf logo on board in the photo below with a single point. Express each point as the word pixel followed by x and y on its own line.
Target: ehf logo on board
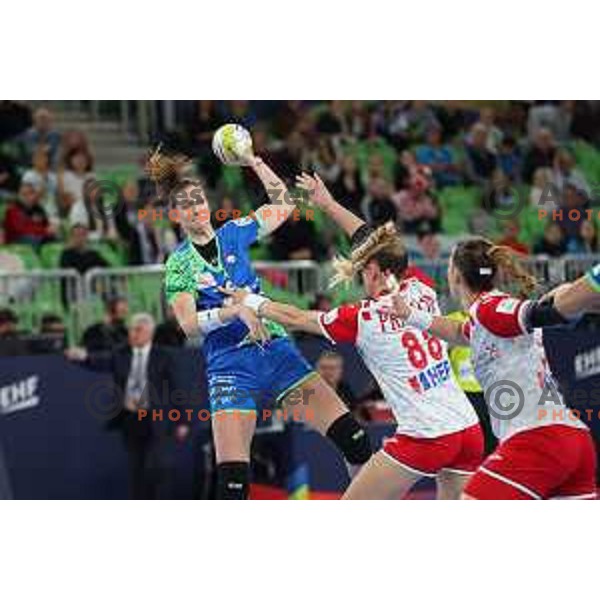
pixel 20 395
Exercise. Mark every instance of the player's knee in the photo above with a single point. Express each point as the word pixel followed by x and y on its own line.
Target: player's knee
pixel 233 480
pixel 351 439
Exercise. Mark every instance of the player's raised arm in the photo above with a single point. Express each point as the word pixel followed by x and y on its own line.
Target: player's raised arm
pixel 319 195
pixel 272 215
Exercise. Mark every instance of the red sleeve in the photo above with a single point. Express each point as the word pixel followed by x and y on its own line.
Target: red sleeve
pixel 502 315
pixel 341 324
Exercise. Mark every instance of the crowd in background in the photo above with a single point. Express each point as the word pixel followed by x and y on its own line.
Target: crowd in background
pixel 386 160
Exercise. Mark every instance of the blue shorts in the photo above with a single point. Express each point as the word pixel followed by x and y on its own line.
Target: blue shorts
pixel 251 376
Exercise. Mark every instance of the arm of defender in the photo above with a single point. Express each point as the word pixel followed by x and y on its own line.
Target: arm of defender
pixel 194 323
pixel 580 296
pixel 321 196
pixel 441 327
pixel 292 317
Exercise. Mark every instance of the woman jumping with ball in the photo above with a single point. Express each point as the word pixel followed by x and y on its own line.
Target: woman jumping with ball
pixel 249 360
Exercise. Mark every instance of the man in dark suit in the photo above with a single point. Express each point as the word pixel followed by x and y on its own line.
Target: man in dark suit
pixel 143 375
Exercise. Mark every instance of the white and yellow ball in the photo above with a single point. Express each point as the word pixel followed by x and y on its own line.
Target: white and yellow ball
pixel 232 144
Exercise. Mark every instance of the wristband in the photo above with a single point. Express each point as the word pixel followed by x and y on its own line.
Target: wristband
pixel 208 320
pixel 419 319
pixel 254 302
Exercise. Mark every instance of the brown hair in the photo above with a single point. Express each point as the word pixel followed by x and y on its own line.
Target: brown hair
pixel 168 171
pixel 383 245
pixel 484 266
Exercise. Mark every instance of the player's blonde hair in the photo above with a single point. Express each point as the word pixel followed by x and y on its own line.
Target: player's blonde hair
pixel 384 244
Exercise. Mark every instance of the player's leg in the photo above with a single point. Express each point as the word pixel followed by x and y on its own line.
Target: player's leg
pixel 452 479
pixel 450 484
pixel 382 478
pixel 300 389
pixel 232 433
pixel 321 408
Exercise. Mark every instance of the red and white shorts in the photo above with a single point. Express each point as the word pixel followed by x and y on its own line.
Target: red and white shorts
pixel 554 461
pixel 461 452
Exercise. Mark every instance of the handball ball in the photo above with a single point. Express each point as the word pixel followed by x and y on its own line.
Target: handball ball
pixel 232 144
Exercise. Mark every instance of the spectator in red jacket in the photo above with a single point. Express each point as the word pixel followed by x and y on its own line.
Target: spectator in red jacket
pixel 26 220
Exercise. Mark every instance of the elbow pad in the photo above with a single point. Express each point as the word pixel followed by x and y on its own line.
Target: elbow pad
pixel 208 320
pixel 543 314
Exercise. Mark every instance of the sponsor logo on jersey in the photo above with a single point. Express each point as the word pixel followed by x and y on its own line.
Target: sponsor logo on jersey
pixel 330 317
pixel 508 306
pixel 230 259
pixel 206 280
pixel 431 377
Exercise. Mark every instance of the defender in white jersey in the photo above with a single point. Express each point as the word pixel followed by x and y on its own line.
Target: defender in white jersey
pixel 545 450
pixel 438 431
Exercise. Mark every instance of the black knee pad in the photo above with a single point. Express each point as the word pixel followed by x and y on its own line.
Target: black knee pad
pixel 233 480
pixel 351 439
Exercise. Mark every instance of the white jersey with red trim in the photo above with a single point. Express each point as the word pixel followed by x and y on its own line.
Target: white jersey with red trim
pixel 411 366
pixel 511 366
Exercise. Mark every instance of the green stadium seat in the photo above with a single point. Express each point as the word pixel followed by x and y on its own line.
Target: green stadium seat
pixel 25 252
pixel 50 255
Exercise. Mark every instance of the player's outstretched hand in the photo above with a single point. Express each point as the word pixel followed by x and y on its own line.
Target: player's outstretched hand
pixel 400 307
pixel 257 330
pixel 237 296
pixel 317 191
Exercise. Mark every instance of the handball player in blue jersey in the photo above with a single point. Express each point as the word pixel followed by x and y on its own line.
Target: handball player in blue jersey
pixel 248 361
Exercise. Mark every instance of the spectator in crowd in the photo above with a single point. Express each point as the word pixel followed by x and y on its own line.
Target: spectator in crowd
pixel 296 239
pixel 552 243
pixel 78 255
pixel 439 158
pixel 143 373
pixel 42 133
pixel 359 121
pixel 9 179
pixel 487 117
pixel 287 117
pixel 574 203
pixel 588 238
pixel 44 180
pixel 72 181
pixel 429 245
pixel 564 170
pixel 330 365
pixel 480 161
pixel 414 122
pixel 26 221
pixel 111 332
pixel 555 117
pixel 52 324
pixel 348 187
pixel 509 159
pixel 240 111
pixel 332 120
pixel 325 161
pixel 539 154
pixel 378 205
pixel 501 195
pixel 544 194
pixel 134 223
pixel 169 333
pixel 8 323
pixel 416 206
pixel 511 237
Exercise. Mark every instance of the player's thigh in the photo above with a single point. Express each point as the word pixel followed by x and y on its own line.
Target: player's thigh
pixel 316 403
pixel 450 484
pixel 381 478
pixel 232 433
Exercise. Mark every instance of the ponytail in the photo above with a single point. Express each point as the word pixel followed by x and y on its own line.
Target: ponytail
pixel 510 268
